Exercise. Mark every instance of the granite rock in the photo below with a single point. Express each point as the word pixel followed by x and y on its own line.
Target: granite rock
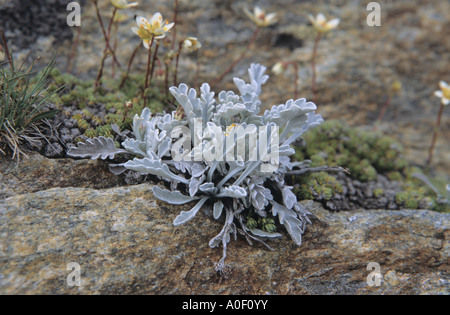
pixel 124 242
pixel 35 172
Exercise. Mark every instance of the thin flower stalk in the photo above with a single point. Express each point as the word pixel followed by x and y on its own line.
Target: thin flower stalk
pixel 73 50
pixel 322 26
pixel 395 88
pixel 175 16
pixel 147 75
pixel 444 95
pixel 107 47
pixel 281 67
pixel 261 19
pixel 237 60
pixel 313 68
pixel 5 47
pixel 105 36
pixel 125 77
pixel 190 44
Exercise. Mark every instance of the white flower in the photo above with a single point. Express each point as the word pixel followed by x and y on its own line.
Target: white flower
pixel 321 24
pixel 155 27
pixel 191 44
pixel 123 4
pixel 444 93
pixel 279 68
pixel 260 18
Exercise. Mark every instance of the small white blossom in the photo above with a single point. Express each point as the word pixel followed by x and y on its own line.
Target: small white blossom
pixel 444 93
pixel 155 27
pixel 260 18
pixel 191 44
pixel 123 4
pixel 321 24
pixel 279 68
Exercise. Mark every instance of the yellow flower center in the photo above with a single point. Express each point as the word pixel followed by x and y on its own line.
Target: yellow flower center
pixel 446 93
pixel 229 128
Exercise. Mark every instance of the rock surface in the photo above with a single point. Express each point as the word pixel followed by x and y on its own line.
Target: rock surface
pixel 124 242
pixel 37 173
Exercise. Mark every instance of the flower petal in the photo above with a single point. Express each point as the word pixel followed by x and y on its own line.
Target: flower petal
pixel 439 94
pixel 321 18
pixel 333 23
pixel 156 17
pixel 257 11
pixel 168 26
pixel 141 21
pixel 271 17
pixel 135 30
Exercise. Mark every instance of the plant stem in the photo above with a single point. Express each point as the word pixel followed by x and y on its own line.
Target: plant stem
pixel 180 46
pixel 175 14
pixel 197 71
pixel 113 68
pixel 166 80
pixel 382 112
pixel 105 50
pixel 313 67
pixel 8 56
pixel 436 129
pixel 153 61
pixel 73 50
pixel 295 79
pixel 228 70
pixel 129 65
pixel 147 75
pixel 100 70
pixel 105 35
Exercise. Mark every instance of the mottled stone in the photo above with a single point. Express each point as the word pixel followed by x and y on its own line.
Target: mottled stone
pixel 125 243
pixel 35 172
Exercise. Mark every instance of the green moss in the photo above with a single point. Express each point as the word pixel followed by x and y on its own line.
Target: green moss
pixel 254 221
pixel 411 198
pixel 378 192
pixel 365 155
pixel 108 98
pixel 319 184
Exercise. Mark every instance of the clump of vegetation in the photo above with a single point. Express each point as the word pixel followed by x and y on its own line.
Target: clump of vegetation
pixel 221 161
pixel 96 109
pixel 366 155
pixel 25 103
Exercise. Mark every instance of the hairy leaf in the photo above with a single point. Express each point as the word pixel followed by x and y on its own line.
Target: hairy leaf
pixel 95 148
pixel 290 220
pixel 217 211
pixel 185 216
pixel 172 197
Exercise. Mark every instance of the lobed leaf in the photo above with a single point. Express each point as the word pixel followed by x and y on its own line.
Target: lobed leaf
pixel 95 148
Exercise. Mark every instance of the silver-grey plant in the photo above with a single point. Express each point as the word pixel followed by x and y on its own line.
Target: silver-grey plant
pixel 248 182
